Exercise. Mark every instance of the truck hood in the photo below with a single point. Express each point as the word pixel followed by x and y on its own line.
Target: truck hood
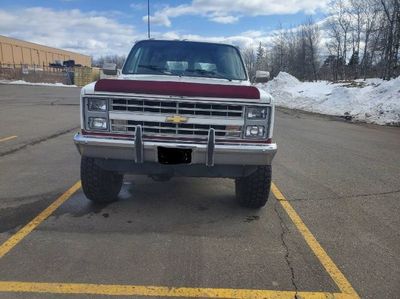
pixel 174 86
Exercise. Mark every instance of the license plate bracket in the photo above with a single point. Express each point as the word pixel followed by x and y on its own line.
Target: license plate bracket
pixel 171 156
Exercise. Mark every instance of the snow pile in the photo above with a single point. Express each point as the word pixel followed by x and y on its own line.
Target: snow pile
pixel 374 100
pixel 21 82
pixel 284 79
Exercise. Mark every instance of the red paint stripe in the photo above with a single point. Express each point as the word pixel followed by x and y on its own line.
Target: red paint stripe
pixel 178 89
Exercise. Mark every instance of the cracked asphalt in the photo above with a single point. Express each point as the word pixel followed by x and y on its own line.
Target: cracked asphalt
pixel 341 178
pixel 287 254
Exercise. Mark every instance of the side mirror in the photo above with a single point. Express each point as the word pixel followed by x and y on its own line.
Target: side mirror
pixel 262 76
pixel 110 69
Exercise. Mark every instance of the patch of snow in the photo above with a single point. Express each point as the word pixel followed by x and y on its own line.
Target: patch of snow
pixel 373 101
pixel 21 82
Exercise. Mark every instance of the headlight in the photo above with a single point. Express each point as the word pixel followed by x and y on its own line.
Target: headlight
pixel 97 123
pixel 255 131
pixel 256 113
pixel 97 105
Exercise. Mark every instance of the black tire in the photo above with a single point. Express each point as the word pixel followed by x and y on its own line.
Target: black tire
pixel 253 191
pixel 99 185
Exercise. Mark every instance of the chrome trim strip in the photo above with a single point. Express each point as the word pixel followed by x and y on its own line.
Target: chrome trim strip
pixel 174 129
pixel 161 118
pixel 180 108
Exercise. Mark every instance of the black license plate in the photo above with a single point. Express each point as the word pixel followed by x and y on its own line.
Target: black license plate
pixel 167 155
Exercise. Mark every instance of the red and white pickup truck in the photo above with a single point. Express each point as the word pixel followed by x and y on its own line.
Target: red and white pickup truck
pixel 178 108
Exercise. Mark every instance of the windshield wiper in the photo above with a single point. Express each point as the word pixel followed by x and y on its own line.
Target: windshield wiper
pixel 153 68
pixel 212 73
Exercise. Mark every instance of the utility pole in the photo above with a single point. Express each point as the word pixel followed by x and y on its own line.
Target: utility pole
pixel 148 19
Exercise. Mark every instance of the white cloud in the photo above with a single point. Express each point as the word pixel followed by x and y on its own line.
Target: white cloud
pixel 158 19
pixel 242 40
pixel 97 34
pixel 229 11
pixel 225 19
pixel 138 6
pixel 89 33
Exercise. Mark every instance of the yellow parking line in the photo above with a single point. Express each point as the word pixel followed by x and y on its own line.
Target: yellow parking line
pixel 23 232
pixel 8 138
pixel 337 276
pixel 157 291
pixel 160 291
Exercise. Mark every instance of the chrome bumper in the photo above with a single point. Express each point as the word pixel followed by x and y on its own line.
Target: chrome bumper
pixel 209 154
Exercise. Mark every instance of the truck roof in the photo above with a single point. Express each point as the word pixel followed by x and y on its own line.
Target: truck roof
pixel 185 41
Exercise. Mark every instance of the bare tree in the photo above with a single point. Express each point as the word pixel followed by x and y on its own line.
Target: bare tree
pixel 391 10
pixel 296 51
pixel 312 39
pixel 279 50
pixel 117 59
pixel 250 60
pixel 339 25
pixel 372 28
pixel 369 12
pixel 363 39
pixel 261 58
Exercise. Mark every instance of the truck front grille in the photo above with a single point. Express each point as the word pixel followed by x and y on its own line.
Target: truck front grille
pixel 226 119
pixel 175 107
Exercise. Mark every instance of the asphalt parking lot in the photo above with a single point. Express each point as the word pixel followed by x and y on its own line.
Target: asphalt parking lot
pixel 331 228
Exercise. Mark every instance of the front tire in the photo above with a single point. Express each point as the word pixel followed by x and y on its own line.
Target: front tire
pixel 253 191
pixel 99 185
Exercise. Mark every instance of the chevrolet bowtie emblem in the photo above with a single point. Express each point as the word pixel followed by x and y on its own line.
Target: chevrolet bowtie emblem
pixel 176 119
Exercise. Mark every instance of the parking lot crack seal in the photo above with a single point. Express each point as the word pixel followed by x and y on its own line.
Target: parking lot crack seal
pixel 37 141
pixel 287 253
pixel 355 196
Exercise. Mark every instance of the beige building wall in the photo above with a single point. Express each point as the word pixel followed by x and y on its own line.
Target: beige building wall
pixel 14 51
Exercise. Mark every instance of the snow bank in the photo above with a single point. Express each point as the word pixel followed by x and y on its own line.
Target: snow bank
pixel 21 82
pixel 374 100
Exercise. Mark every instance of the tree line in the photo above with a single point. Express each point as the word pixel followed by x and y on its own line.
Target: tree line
pixel 117 59
pixel 357 39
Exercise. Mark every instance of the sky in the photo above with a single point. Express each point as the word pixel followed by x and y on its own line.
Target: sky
pixel 100 28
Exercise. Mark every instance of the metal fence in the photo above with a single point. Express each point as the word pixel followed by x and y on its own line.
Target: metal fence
pixel 79 76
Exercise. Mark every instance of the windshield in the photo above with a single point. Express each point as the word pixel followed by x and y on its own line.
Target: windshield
pixel 185 59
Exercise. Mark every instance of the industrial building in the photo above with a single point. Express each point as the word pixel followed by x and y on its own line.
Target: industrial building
pixel 19 52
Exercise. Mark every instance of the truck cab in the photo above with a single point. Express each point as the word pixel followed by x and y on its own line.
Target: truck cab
pixel 178 108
